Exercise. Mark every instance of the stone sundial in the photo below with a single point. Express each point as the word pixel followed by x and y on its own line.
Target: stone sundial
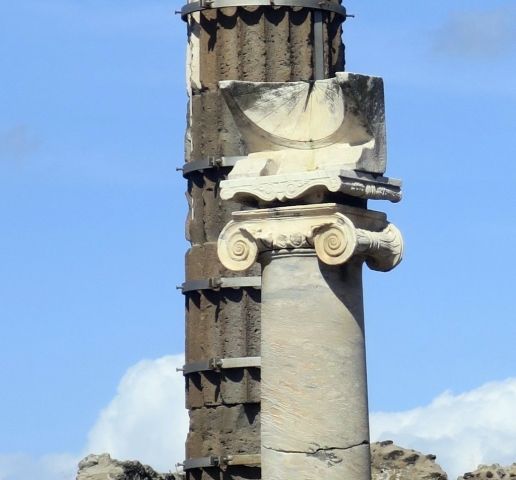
pixel 310 137
pixel 298 115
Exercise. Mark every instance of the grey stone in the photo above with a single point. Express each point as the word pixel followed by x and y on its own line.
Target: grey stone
pixel 390 462
pixel 491 472
pixel 252 44
pixel 103 467
pixel 314 392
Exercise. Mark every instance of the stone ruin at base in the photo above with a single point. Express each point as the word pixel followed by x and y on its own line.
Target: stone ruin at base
pixel 388 462
pixel 283 151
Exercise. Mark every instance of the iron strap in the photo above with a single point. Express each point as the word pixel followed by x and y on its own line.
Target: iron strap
pixel 217 283
pixel 211 4
pixel 217 364
pixel 214 461
pixel 210 162
pixel 318 45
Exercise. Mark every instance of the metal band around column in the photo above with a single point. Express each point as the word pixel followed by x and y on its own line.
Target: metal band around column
pixel 219 461
pixel 210 4
pixel 217 364
pixel 216 283
pixel 207 163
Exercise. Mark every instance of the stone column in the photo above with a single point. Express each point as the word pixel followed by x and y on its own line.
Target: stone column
pixel 257 43
pixel 314 385
pixel 314 388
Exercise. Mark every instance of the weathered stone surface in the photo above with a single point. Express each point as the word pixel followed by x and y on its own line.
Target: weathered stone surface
pixel 307 187
pixel 314 388
pixel 226 430
pixel 312 255
pixel 258 44
pixel 336 232
pixel 103 467
pixel 390 462
pixel 491 472
pixel 253 44
pixel 305 129
pixel 223 324
pixel 332 464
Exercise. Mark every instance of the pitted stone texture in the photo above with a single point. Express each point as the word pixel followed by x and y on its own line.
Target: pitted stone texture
pixel 200 264
pixel 491 472
pixel 223 431
pixel 229 473
pixel 212 129
pixel 223 324
pixel 390 462
pixel 254 44
pixel 103 467
pixel 207 213
pixel 259 44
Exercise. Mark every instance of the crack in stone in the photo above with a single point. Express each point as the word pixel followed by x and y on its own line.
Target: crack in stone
pixel 318 450
pixel 325 455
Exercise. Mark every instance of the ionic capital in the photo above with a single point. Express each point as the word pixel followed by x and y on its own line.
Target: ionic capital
pixel 335 236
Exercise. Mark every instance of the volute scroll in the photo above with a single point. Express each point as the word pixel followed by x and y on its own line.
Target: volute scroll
pixel 332 234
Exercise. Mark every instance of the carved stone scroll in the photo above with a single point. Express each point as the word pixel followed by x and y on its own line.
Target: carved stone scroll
pixel 335 236
pixel 296 185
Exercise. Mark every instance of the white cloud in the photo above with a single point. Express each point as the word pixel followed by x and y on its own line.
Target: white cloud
pixel 477 427
pixel 477 35
pixel 147 419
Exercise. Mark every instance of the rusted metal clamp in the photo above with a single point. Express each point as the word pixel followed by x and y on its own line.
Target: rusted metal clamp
pixel 216 283
pixel 220 461
pixel 201 5
pixel 218 364
pixel 207 163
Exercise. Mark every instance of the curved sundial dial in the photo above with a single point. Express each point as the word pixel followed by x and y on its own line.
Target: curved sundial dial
pixel 300 115
pixel 310 136
pixel 295 112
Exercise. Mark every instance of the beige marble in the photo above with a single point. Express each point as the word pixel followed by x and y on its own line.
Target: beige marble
pixel 307 185
pixel 314 415
pixel 305 126
pixel 336 232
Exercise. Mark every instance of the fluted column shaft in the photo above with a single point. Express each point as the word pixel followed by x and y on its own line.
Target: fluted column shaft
pixel 255 44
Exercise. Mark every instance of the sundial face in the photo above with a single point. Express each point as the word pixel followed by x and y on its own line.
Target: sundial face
pixel 299 111
pixel 306 126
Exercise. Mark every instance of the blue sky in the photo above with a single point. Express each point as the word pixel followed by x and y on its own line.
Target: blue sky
pixel 92 119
